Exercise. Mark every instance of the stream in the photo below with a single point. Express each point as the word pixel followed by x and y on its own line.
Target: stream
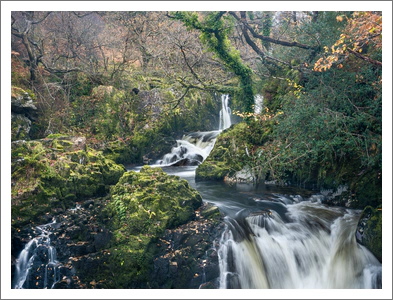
pixel 285 238
pixel 275 237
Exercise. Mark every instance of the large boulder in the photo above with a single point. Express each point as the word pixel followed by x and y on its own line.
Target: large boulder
pixel 51 174
pixel 23 112
pixel 88 251
pixel 142 207
pixel 369 230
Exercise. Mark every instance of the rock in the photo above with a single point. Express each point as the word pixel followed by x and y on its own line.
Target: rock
pixel 163 246
pixel 197 260
pixel 210 211
pixel 369 230
pixel 102 239
pixel 185 162
pixel 20 127
pixel 51 174
pixel 23 112
pixel 21 102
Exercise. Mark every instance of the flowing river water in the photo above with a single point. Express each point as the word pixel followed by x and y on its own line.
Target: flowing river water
pixel 276 237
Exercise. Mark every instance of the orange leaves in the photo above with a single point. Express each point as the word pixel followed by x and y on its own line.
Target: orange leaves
pixel 339 18
pixel 324 64
pixel 364 29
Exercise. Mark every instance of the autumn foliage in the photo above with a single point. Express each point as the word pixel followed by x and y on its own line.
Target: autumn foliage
pixel 361 37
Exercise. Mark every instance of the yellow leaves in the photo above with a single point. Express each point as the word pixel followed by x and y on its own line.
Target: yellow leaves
pixel 362 29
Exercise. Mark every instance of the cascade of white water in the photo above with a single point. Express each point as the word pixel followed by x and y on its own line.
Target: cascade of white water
pixel 225 113
pixel 315 249
pixel 191 150
pixel 195 147
pixel 47 268
pixel 258 104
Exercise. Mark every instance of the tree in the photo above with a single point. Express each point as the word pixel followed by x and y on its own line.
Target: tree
pixel 214 33
pixel 361 37
pixel 23 31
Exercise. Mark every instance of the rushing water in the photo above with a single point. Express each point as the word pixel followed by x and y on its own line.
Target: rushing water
pixel 38 261
pixel 283 238
pixel 194 147
pixel 225 113
pixel 277 238
pixel 258 104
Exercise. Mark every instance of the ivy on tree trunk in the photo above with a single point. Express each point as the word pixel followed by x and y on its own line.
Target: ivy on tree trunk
pixel 214 34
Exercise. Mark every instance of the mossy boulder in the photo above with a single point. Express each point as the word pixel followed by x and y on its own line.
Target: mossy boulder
pixel 122 152
pixel 212 171
pixel 142 206
pixel 369 230
pixel 52 173
pixel 23 112
pixel 228 156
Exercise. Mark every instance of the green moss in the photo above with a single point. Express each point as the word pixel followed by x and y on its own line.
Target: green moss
pixel 142 206
pixel 212 171
pixel 372 230
pixel 56 136
pixel 42 171
pixel 121 152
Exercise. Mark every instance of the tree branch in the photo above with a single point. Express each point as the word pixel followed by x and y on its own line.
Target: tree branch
pixel 42 19
pixel 268 39
pixel 368 59
pixel 188 65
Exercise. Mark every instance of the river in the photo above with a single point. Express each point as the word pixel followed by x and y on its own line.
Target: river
pixel 285 238
pixel 276 237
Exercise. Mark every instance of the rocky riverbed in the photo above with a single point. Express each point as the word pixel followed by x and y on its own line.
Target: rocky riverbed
pixel 151 230
pixel 185 256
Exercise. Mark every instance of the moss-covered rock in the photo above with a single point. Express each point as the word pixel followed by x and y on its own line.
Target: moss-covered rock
pixel 23 111
pixel 212 171
pixel 369 230
pixel 122 153
pixel 52 173
pixel 142 206
pixel 235 148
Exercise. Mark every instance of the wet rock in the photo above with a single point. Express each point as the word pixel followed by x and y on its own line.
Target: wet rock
pixel 94 252
pixel 193 251
pixel 369 230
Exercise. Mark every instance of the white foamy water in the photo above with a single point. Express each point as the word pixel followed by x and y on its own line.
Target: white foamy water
pixel 316 249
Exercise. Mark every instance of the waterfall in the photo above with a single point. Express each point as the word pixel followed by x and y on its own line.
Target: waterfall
pixel 37 264
pixel 195 147
pixel 225 113
pixel 316 248
pixel 258 104
pixel 191 150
